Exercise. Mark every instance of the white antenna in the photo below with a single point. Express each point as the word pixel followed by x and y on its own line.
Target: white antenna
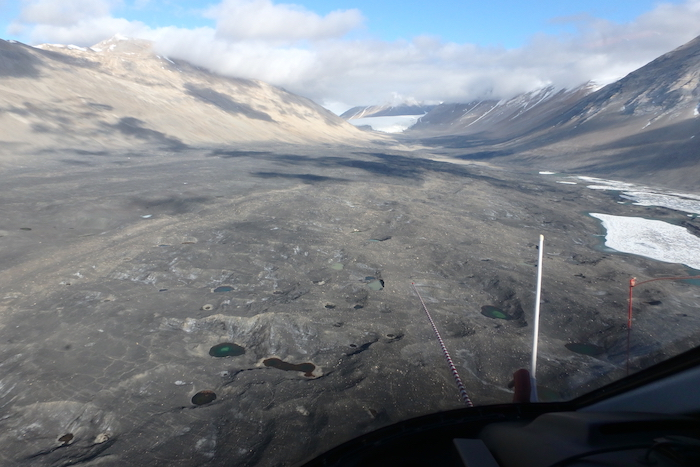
pixel 536 327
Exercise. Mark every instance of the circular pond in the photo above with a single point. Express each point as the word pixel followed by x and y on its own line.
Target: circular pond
pixel 203 397
pixel 226 349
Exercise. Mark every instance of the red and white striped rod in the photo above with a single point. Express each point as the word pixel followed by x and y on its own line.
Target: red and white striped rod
pixel 453 369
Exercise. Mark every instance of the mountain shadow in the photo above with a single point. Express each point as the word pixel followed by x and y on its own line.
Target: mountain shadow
pixel 225 103
pixel 134 127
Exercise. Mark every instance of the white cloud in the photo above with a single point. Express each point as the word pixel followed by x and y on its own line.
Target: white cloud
pixel 283 66
pixel 64 13
pixel 90 31
pixel 312 55
pixel 262 20
pixel 80 22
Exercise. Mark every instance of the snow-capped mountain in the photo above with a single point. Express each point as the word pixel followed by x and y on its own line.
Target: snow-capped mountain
pixel 641 127
pixel 386 110
pixel 514 116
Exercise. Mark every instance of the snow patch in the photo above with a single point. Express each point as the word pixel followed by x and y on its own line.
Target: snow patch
pixel 601 184
pixel 389 124
pixel 674 202
pixel 645 196
pixel 487 112
pixel 653 239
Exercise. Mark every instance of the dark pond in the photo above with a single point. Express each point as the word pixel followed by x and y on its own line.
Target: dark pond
pixel 585 349
pixel 306 368
pixel 203 397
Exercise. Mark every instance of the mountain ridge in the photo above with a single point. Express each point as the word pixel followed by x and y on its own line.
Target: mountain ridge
pixel 120 93
pixel 641 127
pixel 386 110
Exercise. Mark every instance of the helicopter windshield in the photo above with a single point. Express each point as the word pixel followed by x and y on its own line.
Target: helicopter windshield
pixel 203 268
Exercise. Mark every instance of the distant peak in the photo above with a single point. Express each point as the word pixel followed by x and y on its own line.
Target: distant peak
pixel 120 43
pixel 116 38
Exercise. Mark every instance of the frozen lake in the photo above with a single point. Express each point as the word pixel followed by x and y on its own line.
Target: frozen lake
pixel 651 238
pixel 389 124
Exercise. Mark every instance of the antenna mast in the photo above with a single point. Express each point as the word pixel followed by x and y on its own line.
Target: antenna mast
pixel 536 327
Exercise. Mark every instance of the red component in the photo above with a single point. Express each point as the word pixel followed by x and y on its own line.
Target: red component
pixel 521 379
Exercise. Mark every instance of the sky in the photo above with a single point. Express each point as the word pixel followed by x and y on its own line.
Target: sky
pixel 354 52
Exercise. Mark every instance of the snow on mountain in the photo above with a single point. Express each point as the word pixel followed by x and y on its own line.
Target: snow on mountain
pixel 513 116
pixel 386 110
pixel 642 127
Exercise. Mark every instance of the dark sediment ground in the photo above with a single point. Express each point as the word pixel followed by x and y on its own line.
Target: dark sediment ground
pixel 121 272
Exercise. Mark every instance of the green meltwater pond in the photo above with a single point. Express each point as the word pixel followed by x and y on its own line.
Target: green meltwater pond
pixel 585 349
pixel 226 349
pixel 491 311
pixel 374 283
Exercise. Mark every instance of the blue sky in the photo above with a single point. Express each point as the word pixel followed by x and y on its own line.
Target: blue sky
pixel 344 53
pixel 508 23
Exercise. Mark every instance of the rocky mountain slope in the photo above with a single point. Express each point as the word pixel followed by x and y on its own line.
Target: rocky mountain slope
pixel 119 92
pixel 501 118
pixel 386 110
pixel 641 127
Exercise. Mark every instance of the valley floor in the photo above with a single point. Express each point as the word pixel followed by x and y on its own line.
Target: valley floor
pixel 122 271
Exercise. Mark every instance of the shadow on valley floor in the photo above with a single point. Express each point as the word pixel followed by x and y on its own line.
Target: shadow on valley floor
pixel 233 153
pixel 484 155
pixel 670 152
pixel 678 165
pixel 306 178
pixel 172 204
pixel 83 152
pixel 396 166
pixel 450 141
pixel 77 163
pixel 130 126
